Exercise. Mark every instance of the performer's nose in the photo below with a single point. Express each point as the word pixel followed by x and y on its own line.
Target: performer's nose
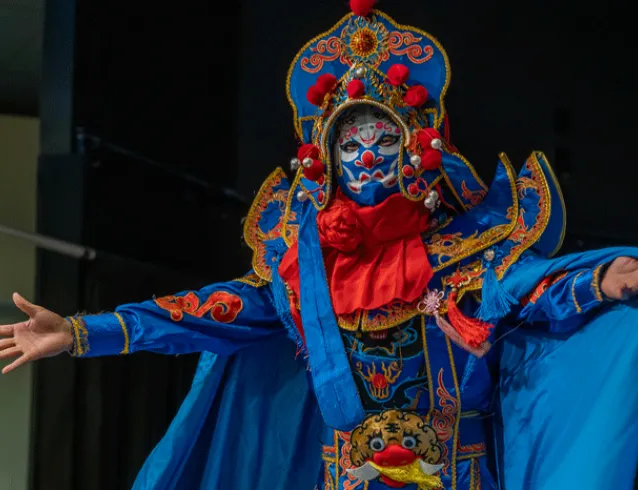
pixel 394 455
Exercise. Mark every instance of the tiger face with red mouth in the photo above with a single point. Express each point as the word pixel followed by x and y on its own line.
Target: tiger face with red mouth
pixel 393 440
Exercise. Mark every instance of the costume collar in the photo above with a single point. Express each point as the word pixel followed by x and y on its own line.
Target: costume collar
pixel 373 255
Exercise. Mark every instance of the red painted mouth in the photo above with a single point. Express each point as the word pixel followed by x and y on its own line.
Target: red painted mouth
pixel 371 140
pixel 394 456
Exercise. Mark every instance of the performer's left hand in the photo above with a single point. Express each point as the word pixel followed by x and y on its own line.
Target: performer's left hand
pixel 621 279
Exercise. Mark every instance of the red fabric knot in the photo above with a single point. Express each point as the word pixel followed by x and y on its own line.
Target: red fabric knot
pixel 339 228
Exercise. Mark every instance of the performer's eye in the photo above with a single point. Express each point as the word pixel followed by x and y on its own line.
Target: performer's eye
pixel 350 147
pixel 388 140
pixel 409 442
pixel 377 444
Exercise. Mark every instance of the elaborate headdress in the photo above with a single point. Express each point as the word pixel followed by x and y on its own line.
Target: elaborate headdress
pixel 367 58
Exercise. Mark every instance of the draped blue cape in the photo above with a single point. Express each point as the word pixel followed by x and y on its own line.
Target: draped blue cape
pixel 568 407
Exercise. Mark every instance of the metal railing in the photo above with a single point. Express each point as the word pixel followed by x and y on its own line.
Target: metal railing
pixel 52 244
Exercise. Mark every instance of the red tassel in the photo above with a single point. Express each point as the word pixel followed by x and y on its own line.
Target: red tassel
pixel 474 332
pixel 456 338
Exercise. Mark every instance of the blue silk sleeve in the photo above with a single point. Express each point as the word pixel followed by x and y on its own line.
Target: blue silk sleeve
pixel 220 318
pixel 560 304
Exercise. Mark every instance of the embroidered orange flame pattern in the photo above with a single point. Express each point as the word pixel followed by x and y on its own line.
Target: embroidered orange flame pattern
pixel 521 231
pixel 443 420
pixel 380 383
pixel 474 197
pixel 345 463
pixel 472 448
pixel 542 288
pixel 223 306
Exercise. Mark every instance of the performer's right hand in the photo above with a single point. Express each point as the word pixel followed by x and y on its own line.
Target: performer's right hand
pixel 44 334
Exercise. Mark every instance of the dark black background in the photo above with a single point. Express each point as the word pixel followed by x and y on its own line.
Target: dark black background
pixel 199 89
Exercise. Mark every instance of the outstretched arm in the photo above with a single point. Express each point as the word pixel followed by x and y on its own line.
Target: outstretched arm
pixel 562 301
pixel 220 318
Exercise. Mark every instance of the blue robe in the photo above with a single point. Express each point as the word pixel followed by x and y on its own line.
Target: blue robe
pixel 566 409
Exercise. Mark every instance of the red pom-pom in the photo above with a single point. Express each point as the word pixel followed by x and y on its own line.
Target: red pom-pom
pixel 362 7
pixel 413 189
pixel 308 151
pixel 431 159
pixel 356 89
pixel 398 74
pixel 315 171
pixel 326 82
pixel 408 171
pixel 315 95
pixel 426 136
pixel 416 96
pixel 320 197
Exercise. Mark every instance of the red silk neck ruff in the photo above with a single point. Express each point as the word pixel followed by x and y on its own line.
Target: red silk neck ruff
pixel 373 255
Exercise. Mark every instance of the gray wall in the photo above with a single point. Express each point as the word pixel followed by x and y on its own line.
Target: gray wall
pixel 19 146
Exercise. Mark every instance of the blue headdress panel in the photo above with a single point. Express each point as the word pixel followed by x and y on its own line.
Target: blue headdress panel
pixel 375 43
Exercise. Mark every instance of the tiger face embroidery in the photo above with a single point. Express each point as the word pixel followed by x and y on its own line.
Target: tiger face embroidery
pixel 398 448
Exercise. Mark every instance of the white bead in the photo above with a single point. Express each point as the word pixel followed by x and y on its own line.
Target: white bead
pixel 360 72
pixel 429 203
pixel 302 196
pixel 436 144
pixel 415 160
pixel 433 195
pixel 294 163
pixel 307 162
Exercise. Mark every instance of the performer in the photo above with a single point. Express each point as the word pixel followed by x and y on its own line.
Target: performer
pixel 396 272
